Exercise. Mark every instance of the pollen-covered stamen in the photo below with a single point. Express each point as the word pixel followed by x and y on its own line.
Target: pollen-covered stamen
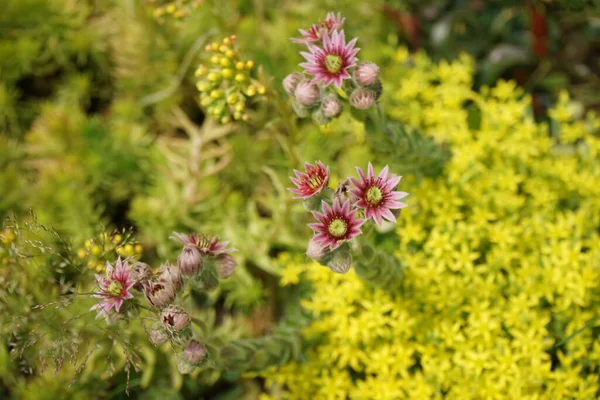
pixel 333 63
pixel 338 227
pixel 374 195
pixel 314 182
pixel 115 288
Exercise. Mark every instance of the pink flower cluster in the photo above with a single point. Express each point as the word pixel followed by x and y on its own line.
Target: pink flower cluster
pixel 331 59
pixel 200 253
pixel 340 217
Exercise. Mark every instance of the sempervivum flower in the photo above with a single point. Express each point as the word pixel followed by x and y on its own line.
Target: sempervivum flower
pixel 336 225
pixel 160 294
pixel 114 287
pixel 330 63
pixel 334 21
pixel 310 182
pixel 317 31
pixel 376 195
pixel 208 245
pixel 170 275
pixel 175 318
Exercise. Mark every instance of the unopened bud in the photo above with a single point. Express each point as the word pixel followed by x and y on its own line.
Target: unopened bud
pixel 140 274
pixel 158 334
pixel 175 317
pixel 172 275
pixel 190 260
pixel 362 98
pixel 291 81
pixel 194 353
pixel 307 93
pixel 341 261
pixel 366 73
pixel 315 250
pixel 331 107
pixel 225 265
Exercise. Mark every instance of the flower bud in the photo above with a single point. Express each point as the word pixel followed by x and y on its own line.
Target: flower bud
pixel 225 265
pixel 362 98
pixel 175 317
pixel 159 294
pixel 182 338
pixel 342 192
pixel 190 260
pixel 291 81
pixel 170 274
pixel 366 73
pixel 194 353
pixel 184 367
pixel 331 107
pixel 140 274
pixel 315 250
pixel 158 334
pixel 307 93
pixel 341 261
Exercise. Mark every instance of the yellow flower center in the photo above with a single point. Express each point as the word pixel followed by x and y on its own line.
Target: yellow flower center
pixel 115 288
pixel 314 182
pixel 374 195
pixel 333 63
pixel 338 227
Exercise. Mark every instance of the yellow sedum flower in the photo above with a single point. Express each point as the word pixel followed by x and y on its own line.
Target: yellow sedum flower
pixel 503 256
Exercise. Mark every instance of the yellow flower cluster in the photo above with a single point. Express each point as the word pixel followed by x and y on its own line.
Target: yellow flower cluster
pixel 501 297
pixel 177 9
pixel 97 251
pixel 7 236
pixel 227 84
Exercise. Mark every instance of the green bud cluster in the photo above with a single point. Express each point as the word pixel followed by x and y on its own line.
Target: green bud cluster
pixel 226 84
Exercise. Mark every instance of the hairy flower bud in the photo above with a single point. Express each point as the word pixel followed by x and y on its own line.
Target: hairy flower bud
pixel 170 274
pixel 190 260
pixel 315 250
pixel 342 191
pixel 184 366
pixel 307 93
pixel 140 273
pixel 362 98
pixel 366 73
pixel 225 265
pixel 341 261
pixel 291 81
pixel 194 352
pixel 331 107
pixel 175 318
pixel 159 294
pixel 158 334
